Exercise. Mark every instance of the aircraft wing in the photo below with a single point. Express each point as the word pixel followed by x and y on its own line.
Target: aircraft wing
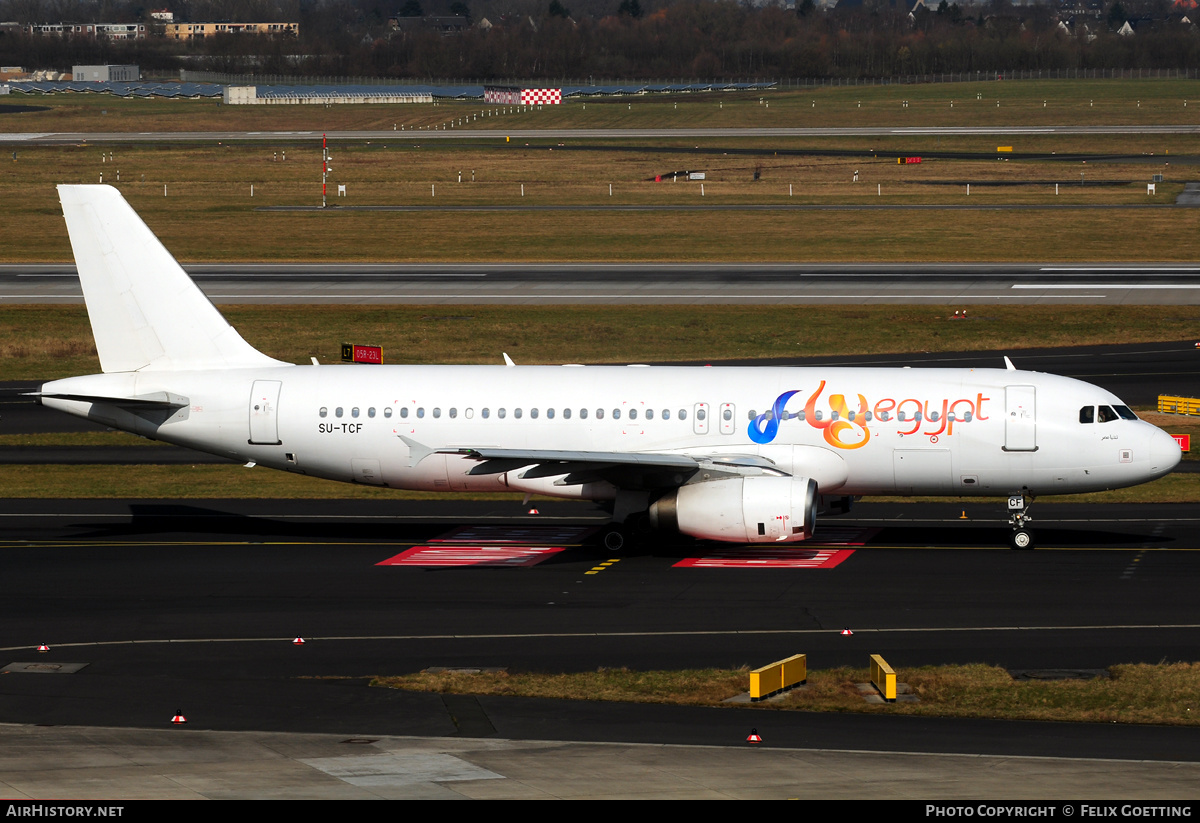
pixel 625 469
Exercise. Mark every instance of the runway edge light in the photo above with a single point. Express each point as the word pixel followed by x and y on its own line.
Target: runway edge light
pixel 178 719
pixel 43 648
pixel 299 641
pixel 846 632
pixel 754 738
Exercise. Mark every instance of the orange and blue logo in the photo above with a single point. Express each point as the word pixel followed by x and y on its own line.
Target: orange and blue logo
pixel 846 429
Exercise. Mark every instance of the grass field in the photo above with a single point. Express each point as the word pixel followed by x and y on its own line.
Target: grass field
pixel 40 342
pixel 1164 694
pixel 1098 213
pixel 1021 103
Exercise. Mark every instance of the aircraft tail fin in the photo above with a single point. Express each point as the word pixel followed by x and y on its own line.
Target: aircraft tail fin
pixel 146 313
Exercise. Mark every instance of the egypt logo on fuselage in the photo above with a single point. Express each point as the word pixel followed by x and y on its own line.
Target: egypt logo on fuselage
pixel 845 429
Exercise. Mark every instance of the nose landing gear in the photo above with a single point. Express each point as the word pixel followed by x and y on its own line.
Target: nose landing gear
pixel 1018 518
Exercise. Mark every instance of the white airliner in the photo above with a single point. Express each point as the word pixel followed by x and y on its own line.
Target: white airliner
pixel 743 455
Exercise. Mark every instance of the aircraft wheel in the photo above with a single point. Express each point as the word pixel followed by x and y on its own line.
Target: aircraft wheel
pixel 1021 539
pixel 614 540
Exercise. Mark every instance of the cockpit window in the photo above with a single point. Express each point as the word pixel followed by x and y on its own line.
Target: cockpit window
pixel 1107 415
pixel 1087 414
pixel 1126 413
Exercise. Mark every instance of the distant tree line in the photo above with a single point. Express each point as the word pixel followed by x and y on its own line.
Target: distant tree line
pixel 623 39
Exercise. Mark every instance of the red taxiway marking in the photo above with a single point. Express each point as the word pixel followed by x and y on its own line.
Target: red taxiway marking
pixel 453 555
pixel 759 557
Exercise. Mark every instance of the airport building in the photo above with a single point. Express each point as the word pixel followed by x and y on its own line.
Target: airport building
pixel 106 74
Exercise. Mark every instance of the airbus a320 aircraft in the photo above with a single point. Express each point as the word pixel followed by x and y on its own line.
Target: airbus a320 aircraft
pixel 745 455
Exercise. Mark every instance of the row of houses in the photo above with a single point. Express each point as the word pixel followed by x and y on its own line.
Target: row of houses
pixel 161 27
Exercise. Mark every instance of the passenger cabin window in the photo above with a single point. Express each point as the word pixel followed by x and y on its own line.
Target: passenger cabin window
pixel 324 411
pixel 371 412
pixel 354 412
pixel 404 411
pixel 337 412
pixel 387 411
pixel 1087 414
pixel 421 411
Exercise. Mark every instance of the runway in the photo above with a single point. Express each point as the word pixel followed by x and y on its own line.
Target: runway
pixel 525 133
pixel 666 284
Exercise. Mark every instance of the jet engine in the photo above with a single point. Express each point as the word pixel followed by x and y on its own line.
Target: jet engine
pixel 752 509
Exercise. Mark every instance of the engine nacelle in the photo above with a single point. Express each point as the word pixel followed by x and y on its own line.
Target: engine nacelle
pixel 754 509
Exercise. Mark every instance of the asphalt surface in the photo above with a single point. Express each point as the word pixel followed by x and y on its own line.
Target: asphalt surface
pixel 154 608
pixel 956 284
pixel 69 138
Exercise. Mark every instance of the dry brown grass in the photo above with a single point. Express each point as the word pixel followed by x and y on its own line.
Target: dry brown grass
pixel 1164 694
pixel 614 334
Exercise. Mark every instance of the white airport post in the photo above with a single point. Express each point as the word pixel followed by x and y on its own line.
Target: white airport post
pixel 341 190
pixel 1149 187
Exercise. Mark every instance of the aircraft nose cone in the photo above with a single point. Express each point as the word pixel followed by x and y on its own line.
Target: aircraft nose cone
pixel 1164 453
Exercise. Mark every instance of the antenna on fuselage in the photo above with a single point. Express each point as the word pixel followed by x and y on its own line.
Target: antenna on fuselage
pixel 1008 364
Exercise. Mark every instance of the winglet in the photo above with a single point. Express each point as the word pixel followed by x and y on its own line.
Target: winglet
pixel 508 361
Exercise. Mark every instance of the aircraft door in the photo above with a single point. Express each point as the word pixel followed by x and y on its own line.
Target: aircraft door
pixel 264 413
pixel 1020 419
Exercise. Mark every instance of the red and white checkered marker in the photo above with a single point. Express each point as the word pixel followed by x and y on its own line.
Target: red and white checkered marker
pixel 533 511
pixel 43 648
pixel 178 719
pixel 754 738
pixel 847 633
pixel 299 641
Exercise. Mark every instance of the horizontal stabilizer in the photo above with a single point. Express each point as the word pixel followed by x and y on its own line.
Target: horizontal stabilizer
pixel 159 400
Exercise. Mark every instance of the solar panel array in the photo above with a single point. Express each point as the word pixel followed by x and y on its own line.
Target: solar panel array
pixel 164 89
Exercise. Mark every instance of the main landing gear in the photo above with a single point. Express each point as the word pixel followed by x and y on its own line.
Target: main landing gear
pixel 1018 518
